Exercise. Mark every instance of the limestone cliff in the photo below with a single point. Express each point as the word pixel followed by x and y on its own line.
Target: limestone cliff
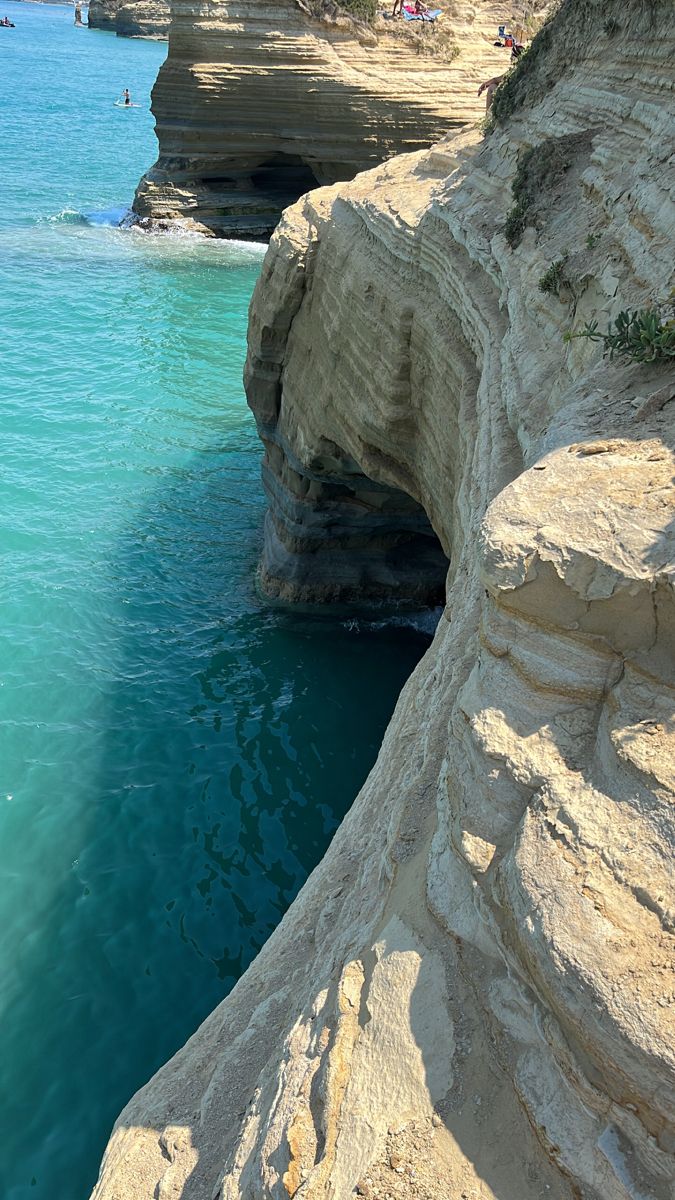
pixel 472 995
pixel 259 100
pixel 136 18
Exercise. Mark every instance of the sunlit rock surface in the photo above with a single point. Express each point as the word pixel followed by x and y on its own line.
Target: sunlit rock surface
pixel 259 101
pixel 472 993
pixel 136 18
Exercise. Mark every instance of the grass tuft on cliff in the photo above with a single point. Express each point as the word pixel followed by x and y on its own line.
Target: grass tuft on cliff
pixel 361 10
pixel 645 335
pixel 539 169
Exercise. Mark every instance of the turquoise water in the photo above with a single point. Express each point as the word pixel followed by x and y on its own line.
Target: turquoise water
pixel 174 755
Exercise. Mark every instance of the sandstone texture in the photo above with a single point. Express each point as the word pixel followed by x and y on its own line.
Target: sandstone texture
pixel 136 18
pixel 471 999
pixel 260 100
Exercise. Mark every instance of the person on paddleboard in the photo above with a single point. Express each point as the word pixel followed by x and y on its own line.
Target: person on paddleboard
pixel 126 96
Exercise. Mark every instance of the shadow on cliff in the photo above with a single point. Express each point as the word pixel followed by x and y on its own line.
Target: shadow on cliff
pixel 250 180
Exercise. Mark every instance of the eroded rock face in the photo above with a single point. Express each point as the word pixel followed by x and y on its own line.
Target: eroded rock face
pixel 471 995
pixel 136 18
pixel 258 102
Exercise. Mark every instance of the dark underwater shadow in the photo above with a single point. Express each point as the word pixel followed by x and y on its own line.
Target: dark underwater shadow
pixel 235 738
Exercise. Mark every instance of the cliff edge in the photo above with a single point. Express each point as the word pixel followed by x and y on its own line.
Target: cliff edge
pixel 133 18
pixel 472 995
pixel 261 100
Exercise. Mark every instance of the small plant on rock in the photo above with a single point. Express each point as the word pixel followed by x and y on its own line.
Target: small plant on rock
pixel 539 169
pixel 360 10
pixel 645 335
pixel 503 102
pixel 363 10
pixel 514 225
pixel 487 125
pixel 592 240
pixel 552 279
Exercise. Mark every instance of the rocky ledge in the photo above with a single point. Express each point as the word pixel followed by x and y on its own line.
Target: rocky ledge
pixel 135 18
pixel 472 995
pixel 261 100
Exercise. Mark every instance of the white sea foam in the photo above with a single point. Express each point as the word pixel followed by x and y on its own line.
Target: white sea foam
pixel 67 216
pixel 423 621
pixel 107 216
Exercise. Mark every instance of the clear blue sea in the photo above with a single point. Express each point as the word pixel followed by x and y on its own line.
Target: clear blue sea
pixel 174 754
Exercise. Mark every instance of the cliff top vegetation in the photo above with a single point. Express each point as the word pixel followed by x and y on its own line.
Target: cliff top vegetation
pixel 360 10
pixel 566 37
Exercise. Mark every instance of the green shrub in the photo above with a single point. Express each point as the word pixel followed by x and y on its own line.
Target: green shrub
pixel 537 171
pixel 362 10
pixel 514 225
pixel 644 335
pixel 503 101
pixel 552 279
pixel 592 240
pixel 539 168
pixel 509 95
pixel 487 124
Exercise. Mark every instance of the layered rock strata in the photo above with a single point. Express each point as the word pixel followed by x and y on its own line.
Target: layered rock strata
pixel 472 995
pixel 136 18
pixel 259 101
pixel 334 535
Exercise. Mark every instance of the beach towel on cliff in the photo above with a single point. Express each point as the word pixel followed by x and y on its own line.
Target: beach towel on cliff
pixel 432 15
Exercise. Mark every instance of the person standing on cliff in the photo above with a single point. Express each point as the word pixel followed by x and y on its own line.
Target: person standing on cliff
pixel 490 86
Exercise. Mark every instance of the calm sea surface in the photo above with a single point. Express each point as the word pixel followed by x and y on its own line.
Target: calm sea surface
pixel 174 755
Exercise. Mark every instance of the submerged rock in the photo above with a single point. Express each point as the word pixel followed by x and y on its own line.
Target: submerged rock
pixel 475 984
